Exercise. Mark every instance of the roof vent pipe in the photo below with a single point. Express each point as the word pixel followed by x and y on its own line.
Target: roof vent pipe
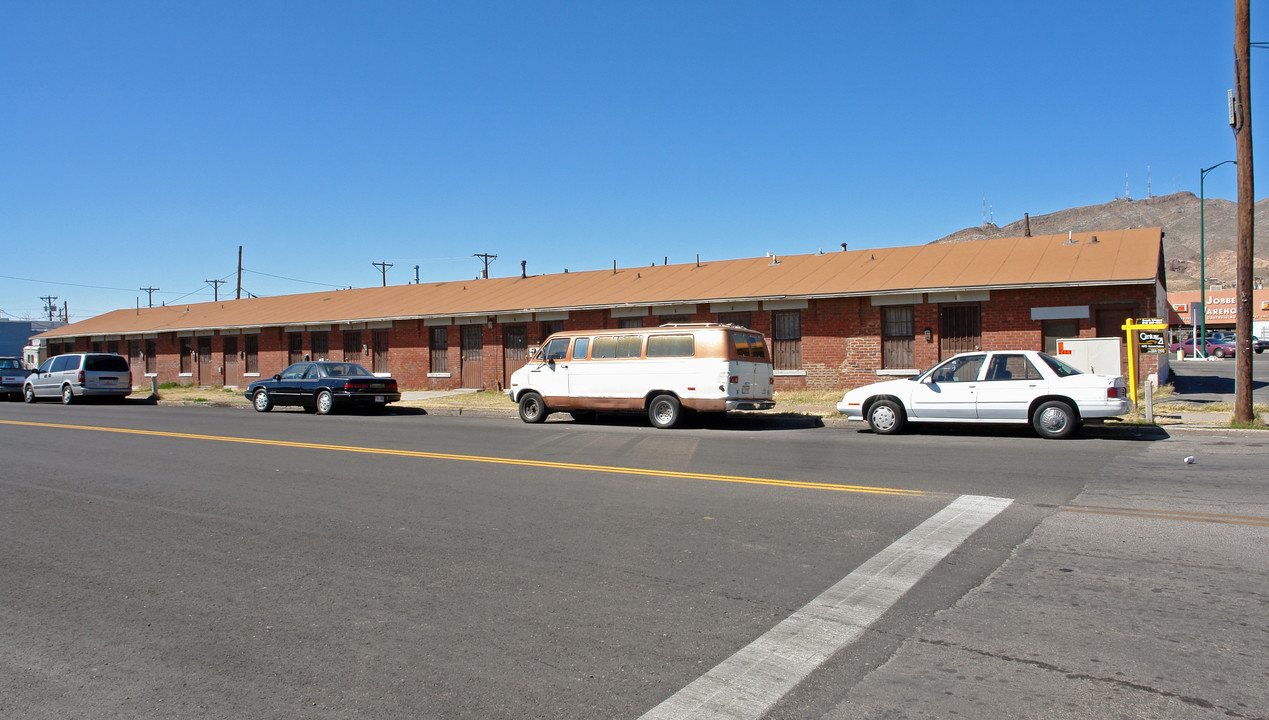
pixel 1026 224
pixel 843 247
pixel 523 263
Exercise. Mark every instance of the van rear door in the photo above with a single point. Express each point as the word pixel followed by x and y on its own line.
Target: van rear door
pixel 750 366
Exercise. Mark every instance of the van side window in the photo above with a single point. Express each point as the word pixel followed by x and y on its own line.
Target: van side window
pixel 579 348
pixel 65 362
pixel 605 347
pixel 671 346
pixel 610 346
pixel 628 346
pixel 556 349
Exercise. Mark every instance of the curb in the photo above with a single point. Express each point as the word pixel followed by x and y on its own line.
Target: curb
pixel 778 418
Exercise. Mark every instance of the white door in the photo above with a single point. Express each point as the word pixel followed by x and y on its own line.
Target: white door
pixel 950 391
pixel 1008 387
pixel 548 372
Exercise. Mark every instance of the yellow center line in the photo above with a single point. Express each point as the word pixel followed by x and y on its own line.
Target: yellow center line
pixel 1252 520
pixel 485 459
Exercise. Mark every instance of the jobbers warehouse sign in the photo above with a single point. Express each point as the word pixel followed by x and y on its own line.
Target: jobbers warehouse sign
pixel 1222 306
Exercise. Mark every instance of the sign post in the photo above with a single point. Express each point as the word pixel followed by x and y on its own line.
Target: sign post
pixel 1145 335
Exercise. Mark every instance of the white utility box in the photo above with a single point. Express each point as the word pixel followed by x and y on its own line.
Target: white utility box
pixel 1094 355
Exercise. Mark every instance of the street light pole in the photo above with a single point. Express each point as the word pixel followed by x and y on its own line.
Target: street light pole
pixel 1202 335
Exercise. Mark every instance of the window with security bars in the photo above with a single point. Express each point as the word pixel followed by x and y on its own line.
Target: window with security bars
pixel 786 339
pixel 743 319
pixel 896 337
pixel 439 349
pixel 960 329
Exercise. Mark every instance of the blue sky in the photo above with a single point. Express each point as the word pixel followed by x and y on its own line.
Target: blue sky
pixel 143 142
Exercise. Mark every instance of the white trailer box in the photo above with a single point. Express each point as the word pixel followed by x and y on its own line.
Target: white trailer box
pixel 1094 355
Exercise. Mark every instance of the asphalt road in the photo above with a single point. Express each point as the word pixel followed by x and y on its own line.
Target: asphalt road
pixel 1213 381
pixel 214 562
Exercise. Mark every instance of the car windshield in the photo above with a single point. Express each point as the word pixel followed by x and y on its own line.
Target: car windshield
pixel 1060 368
pixel 344 369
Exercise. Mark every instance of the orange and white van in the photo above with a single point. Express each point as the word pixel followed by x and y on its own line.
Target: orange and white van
pixel 663 371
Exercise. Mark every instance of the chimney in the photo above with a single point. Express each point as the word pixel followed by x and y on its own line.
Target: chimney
pixel 1026 224
pixel 523 263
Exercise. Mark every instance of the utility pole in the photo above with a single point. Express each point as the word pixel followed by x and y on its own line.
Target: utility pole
pixel 215 288
pixel 49 307
pixel 383 268
pixel 1246 209
pixel 486 257
pixel 238 296
pixel 149 294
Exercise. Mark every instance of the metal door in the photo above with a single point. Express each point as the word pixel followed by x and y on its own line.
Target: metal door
pixel 959 330
pixel 204 360
pixel 515 350
pixel 472 356
pixel 229 360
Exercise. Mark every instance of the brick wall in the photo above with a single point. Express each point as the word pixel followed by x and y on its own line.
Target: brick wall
pixel 840 346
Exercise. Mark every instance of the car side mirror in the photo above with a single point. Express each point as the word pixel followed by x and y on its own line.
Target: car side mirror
pixel 277 377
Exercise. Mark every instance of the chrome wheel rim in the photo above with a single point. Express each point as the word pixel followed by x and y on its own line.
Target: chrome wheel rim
pixel 664 414
pixel 323 403
pixel 1054 420
pixel 262 400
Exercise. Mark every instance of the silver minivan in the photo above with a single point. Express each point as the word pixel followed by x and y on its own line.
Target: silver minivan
pixel 79 375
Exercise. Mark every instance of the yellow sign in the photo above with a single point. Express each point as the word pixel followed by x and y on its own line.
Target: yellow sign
pixel 1132 329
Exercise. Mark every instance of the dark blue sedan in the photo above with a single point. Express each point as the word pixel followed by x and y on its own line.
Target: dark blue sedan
pixel 323 386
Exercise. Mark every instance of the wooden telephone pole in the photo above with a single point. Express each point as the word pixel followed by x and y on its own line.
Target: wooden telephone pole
pixel 1241 121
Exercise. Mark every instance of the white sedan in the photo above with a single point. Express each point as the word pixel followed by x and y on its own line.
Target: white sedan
pixel 1013 386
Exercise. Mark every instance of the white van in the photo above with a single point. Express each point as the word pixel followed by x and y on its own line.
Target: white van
pixel 663 371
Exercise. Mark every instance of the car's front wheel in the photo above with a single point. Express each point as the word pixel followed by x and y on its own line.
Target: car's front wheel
pixel 261 401
pixel 532 408
pixel 1054 419
pixel 885 417
pixel 325 402
pixel 28 394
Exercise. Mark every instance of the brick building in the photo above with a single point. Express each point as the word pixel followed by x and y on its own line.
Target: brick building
pixel 834 320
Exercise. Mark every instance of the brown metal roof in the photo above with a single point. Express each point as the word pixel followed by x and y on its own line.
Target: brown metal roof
pixel 1103 258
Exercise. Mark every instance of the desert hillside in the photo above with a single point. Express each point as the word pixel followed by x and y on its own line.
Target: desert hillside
pixel 1177 214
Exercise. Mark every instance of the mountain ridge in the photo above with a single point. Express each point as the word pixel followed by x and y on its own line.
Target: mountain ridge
pixel 1178 215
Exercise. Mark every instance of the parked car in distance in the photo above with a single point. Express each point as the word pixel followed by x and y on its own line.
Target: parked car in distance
pixel 1012 386
pixel 74 376
pixel 1215 348
pixel 323 386
pixel 12 375
pixel 1259 344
